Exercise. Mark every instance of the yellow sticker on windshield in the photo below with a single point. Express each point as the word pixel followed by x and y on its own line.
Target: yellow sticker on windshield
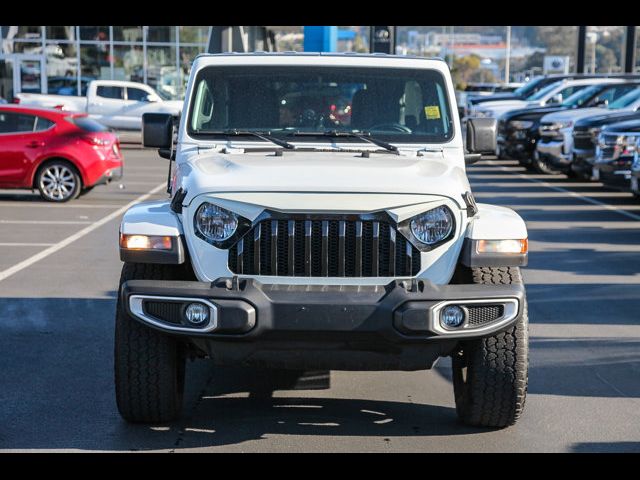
pixel 432 112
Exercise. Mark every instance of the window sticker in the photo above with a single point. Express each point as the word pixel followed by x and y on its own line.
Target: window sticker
pixel 432 112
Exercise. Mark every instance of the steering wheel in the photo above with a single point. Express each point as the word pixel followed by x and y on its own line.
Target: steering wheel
pixel 394 127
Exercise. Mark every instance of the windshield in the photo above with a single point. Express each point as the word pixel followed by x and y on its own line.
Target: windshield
pixel 545 91
pixel 399 105
pixel 528 88
pixel 582 96
pixel 626 100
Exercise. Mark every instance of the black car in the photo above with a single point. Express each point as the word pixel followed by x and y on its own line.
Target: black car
pixel 615 153
pixel 585 138
pixel 518 130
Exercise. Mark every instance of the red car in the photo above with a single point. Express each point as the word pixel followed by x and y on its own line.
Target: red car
pixel 62 154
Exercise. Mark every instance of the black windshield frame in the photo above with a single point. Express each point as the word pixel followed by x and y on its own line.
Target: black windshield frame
pixel 424 75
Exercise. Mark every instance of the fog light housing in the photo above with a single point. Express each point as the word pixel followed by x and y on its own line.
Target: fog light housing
pixel 451 316
pixel 196 313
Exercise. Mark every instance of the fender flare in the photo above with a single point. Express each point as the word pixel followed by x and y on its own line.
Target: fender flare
pixel 493 222
pixel 153 218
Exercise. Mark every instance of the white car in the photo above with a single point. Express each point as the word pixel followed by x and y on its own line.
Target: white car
pixel 299 237
pixel 550 95
pixel 116 104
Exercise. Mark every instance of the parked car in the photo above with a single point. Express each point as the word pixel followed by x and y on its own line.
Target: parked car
pixel 60 154
pixel 615 153
pixel 536 84
pixel 114 103
pixel 568 139
pixel 553 94
pixel 300 245
pixel 479 89
pixel 635 171
pixel 518 130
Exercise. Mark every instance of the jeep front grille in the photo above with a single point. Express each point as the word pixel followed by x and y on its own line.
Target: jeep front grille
pixel 324 248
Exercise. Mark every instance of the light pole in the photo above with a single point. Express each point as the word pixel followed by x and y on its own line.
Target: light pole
pixel 508 56
pixel 593 38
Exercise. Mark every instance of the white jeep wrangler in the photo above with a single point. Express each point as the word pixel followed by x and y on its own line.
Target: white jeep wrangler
pixel 321 218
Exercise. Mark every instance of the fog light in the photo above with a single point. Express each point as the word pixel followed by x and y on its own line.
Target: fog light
pixel 451 316
pixel 197 313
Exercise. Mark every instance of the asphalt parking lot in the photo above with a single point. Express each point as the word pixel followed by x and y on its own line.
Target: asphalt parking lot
pixel 59 271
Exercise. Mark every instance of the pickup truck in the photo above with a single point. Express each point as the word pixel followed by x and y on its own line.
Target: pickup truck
pixel 568 138
pixel 116 104
pixel 518 130
pixel 295 239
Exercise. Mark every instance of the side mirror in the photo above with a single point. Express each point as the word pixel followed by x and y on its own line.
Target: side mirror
pixel 157 130
pixel 150 98
pixel 602 103
pixel 482 138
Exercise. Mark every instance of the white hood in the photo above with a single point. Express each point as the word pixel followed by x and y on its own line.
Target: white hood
pixel 346 172
pixel 573 114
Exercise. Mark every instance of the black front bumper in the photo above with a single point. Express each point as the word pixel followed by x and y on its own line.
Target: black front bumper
pixel 378 327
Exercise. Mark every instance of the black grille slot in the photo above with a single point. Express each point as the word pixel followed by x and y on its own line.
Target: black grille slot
pixel 583 140
pixel 324 248
pixel 481 314
pixel 167 311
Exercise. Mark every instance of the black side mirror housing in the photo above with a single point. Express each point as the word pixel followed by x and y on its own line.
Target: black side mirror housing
pixel 157 130
pixel 482 135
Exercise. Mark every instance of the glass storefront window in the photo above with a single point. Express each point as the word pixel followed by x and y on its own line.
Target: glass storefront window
pixel 637 66
pixel 127 34
pixel 22 33
pixel 62 69
pixel 128 63
pixel 194 34
pixel 162 73
pixel 604 49
pixel 187 55
pixel 100 34
pixel 161 34
pixel 94 61
pixel 23 47
pixel 61 33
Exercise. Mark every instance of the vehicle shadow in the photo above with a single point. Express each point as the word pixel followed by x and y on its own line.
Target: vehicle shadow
pixel 56 392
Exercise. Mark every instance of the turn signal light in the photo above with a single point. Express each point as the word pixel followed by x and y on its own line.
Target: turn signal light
pixel 145 242
pixel 503 246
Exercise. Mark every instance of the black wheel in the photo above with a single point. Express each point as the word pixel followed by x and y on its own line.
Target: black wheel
pixel 58 181
pixel 490 374
pixel 540 166
pixel 149 366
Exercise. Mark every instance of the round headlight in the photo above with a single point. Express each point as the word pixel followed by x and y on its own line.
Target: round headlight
pixel 215 223
pixel 433 226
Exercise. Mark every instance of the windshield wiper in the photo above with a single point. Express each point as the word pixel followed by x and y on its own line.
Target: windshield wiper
pixel 261 135
pixel 365 136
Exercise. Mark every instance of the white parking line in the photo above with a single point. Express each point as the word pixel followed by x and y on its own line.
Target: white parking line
pixel 66 206
pixel 45 222
pixel 76 236
pixel 569 192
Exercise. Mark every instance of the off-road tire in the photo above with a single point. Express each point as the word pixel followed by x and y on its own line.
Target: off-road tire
pixel 490 374
pixel 149 365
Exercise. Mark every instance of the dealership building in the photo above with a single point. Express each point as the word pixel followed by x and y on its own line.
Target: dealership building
pixel 63 59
